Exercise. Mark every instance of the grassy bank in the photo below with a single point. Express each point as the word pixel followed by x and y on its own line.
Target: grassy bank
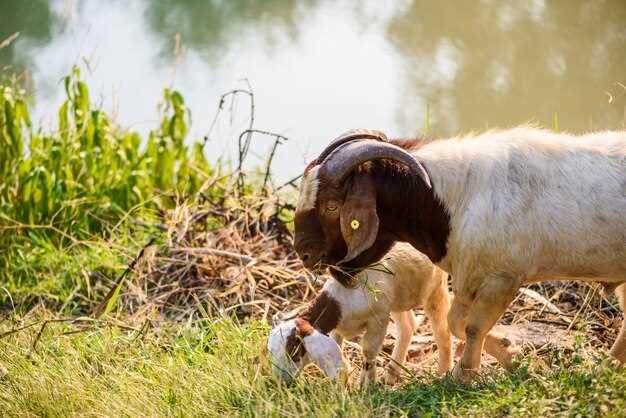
pixel 217 368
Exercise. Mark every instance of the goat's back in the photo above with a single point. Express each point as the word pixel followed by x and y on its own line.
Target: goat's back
pixel 533 203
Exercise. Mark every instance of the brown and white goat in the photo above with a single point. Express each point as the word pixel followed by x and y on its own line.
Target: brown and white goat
pixel 496 211
pixel 405 280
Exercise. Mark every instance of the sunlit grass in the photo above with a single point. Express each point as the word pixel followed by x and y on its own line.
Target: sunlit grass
pixel 213 368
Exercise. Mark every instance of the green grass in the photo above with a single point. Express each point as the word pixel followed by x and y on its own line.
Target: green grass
pixel 69 279
pixel 218 368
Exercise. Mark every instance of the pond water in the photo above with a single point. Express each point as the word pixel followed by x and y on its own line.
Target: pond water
pixel 318 68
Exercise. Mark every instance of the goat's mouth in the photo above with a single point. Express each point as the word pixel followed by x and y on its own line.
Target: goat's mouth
pixel 322 265
pixel 330 262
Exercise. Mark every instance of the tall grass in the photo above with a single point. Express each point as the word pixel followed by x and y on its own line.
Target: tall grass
pixel 90 170
pixel 58 188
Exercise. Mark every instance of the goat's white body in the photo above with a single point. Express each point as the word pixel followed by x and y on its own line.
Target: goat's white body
pixel 531 204
pixel 403 281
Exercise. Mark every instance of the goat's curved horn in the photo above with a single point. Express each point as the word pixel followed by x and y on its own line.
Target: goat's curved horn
pixel 340 163
pixel 348 136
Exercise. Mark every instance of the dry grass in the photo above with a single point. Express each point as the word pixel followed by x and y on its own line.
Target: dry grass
pixel 225 257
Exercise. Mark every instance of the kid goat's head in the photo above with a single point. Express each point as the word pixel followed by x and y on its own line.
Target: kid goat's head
pixel 336 219
pixel 295 343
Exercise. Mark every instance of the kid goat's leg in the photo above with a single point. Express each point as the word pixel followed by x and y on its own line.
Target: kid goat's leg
pixel 405 327
pixel 619 346
pixel 489 303
pixel 371 344
pixel 436 310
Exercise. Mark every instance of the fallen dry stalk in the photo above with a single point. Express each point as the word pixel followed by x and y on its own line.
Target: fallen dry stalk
pixel 244 266
pixel 247 260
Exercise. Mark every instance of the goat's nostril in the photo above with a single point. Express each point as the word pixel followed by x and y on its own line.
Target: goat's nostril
pixel 305 257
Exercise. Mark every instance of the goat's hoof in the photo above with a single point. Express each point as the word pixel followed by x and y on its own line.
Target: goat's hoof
pixel 462 375
pixel 392 377
pixel 509 364
pixel 367 379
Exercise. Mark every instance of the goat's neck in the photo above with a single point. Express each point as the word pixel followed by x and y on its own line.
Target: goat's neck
pixel 323 313
pixel 409 211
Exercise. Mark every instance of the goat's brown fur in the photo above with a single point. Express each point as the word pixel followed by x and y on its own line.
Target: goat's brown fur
pixel 324 313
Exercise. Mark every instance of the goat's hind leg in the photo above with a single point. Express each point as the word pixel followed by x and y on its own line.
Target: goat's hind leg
pixel 371 343
pixel 618 350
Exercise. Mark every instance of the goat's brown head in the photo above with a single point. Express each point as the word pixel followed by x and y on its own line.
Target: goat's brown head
pixel 336 220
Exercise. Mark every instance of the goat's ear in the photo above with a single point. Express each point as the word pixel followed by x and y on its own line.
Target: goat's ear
pixel 359 221
pixel 326 353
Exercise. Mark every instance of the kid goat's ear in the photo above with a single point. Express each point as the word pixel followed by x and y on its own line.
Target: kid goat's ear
pixel 359 221
pixel 325 353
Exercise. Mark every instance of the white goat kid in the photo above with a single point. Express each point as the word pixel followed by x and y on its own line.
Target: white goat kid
pixel 405 280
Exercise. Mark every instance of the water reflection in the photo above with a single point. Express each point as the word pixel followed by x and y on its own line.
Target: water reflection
pixel 318 67
pixel 33 19
pixel 211 27
pixel 499 63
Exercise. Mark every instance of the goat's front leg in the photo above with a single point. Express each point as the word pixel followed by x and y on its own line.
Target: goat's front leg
pixel 405 326
pixel 491 300
pixel 371 343
pixel 496 344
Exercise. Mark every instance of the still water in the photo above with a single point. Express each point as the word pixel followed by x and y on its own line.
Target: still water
pixel 320 67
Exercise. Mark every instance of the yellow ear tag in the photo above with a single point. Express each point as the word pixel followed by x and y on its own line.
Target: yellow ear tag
pixel 355 224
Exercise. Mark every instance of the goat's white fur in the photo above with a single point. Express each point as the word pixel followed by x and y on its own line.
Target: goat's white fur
pixel 532 204
pixel 308 190
pixel 320 348
pixel 406 279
